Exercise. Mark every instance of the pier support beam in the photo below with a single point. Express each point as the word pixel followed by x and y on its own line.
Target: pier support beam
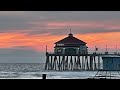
pixel 91 62
pixel 46 64
pixel 51 63
pixel 59 65
pixel 83 63
pixel 98 62
pixel 72 62
pixel 87 64
pixel 66 63
pixel 95 67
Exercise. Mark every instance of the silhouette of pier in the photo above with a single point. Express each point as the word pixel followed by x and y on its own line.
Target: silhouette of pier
pixel 73 61
pixel 71 53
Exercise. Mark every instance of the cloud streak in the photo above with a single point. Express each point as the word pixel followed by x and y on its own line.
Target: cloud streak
pixel 36 29
pixel 53 21
pixel 77 27
pixel 38 42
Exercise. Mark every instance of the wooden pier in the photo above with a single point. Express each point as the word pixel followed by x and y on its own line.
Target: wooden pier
pixel 73 61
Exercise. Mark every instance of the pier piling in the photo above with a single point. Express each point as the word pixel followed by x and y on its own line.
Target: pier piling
pixel 72 62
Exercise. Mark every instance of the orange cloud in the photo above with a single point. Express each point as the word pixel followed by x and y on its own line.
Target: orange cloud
pixel 39 41
pixel 101 40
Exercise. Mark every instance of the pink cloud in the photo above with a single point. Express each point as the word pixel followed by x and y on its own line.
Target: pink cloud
pixel 75 24
pixel 81 24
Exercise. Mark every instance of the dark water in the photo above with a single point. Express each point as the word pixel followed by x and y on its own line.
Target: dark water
pixel 35 71
pixel 21 70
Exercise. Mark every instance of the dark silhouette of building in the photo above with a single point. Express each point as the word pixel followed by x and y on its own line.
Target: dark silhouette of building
pixel 70 45
pixel 111 62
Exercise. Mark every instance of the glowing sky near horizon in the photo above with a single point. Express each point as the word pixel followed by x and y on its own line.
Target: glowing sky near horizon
pixel 33 30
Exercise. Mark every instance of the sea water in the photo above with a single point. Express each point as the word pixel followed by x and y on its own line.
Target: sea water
pixel 35 71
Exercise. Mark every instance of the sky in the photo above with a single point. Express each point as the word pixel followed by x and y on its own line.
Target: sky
pixel 25 34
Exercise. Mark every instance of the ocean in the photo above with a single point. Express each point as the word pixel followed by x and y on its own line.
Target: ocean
pixel 35 71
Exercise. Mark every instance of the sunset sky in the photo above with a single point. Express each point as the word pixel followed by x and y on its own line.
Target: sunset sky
pixel 25 34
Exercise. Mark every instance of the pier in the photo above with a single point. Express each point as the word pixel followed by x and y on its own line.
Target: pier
pixel 71 53
pixel 73 61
